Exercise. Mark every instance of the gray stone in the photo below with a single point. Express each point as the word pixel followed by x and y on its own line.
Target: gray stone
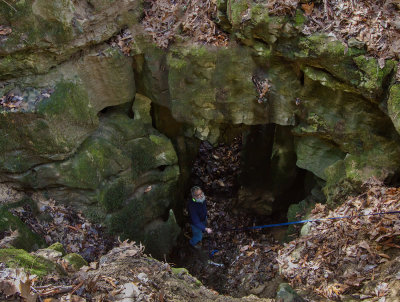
pixel 143 277
pixel 287 294
pixel 130 291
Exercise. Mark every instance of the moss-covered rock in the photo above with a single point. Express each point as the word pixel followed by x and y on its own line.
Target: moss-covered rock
pixel 161 236
pixel 26 239
pixel 394 105
pixel 56 123
pixel 335 124
pixel 46 33
pixel 349 65
pixel 372 76
pixel 179 271
pixel 108 78
pixel 250 21
pixel 57 247
pixel 141 109
pixel 210 85
pixel 33 264
pixel 315 155
pixel 75 260
pixel 299 211
pixel 125 174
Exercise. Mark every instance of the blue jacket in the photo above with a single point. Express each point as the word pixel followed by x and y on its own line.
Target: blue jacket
pixel 198 213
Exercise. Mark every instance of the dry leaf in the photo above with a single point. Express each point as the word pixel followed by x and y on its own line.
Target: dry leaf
pixel 4 31
pixel 308 8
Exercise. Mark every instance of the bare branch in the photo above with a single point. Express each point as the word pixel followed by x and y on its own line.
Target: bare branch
pixel 9 5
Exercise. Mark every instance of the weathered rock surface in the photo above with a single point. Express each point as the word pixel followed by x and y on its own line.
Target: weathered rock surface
pixel 66 128
pixel 46 33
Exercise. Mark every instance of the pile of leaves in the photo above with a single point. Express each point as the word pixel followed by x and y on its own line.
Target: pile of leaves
pixel 166 19
pixel 58 223
pixel 240 263
pixel 18 101
pixel 217 169
pixel 123 274
pixel 338 256
pixel 11 102
pixel 254 267
pixel 282 7
pixel 374 23
pixel 16 282
pixel 262 86
pixel 123 41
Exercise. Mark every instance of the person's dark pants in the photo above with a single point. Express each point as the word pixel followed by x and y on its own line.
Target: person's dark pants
pixel 197 235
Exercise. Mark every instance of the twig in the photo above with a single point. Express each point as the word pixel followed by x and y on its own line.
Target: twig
pixel 56 291
pixel 44 287
pixel 73 228
pixel 77 287
pixel 316 21
pixel 9 5
pixel 33 289
pixel 326 8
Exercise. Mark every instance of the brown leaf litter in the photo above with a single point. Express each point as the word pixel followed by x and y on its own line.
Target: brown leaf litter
pixel 166 19
pixel 68 227
pixel 374 24
pixel 246 261
pixel 340 256
pixel 124 274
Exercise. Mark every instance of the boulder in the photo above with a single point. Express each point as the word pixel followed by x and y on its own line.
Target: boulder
pixel 46 33
pixel 76 261
pixel 20 236
pixel 59 110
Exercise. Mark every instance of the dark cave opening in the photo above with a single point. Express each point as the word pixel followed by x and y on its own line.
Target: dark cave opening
pixel 250 180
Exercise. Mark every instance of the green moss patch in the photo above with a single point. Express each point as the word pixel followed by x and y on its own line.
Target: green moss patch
pixel 69 101
pixel 394 106
pixel 36 265
pixel 26 239
pixel 57 247
pixel 113 196
pixel 75 260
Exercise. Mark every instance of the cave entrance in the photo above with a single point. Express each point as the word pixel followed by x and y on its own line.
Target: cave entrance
pixel 250 180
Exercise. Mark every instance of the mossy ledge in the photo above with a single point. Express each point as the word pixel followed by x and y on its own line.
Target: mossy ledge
pixel 36 265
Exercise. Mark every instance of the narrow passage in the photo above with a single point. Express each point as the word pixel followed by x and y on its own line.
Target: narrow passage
pixel 230 262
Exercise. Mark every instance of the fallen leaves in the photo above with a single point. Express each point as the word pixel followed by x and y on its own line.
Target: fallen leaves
pixel 308 8
pixel 263 87
pixel 339 256
pixel 11 101
pixel 282 7
pixel 123 42
pixel 166 19
pixel 5 30
pixel 373 23
pixel 245 261
pixel 68 227
pixel 16 282
pixel 19 101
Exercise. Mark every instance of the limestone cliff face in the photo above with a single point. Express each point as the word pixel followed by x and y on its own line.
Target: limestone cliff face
pixel 68 127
